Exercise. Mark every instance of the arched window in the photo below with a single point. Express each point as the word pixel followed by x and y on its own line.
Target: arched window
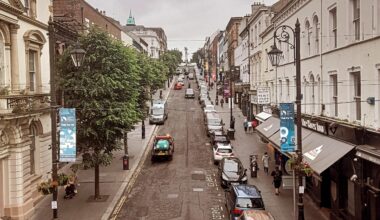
pixel 312 94
pixel 316 34
pixel 307 30
pixel 32 152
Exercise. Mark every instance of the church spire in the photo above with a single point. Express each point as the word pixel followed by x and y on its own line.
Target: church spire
pixel 131 19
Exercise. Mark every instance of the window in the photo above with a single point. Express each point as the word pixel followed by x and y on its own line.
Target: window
pixel 256 35
pixel 280 88
pixel 312 93
pixel 272 90
pixel 259 31
pixel 32 152
pixel 287 88
pixel 316 34
pixel 334 28
pixel 334 84
pixel 307 29
pixel 31 7
pixel 356 18
pixel 32 70
pixel 357 94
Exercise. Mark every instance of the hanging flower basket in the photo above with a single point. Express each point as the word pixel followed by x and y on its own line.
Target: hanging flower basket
pixel 62 179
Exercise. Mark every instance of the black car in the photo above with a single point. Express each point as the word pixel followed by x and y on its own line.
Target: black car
pixel 243 197
pixel 231 171
pixel 219 137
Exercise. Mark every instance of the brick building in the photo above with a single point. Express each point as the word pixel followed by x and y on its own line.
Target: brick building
pixel 232 34
pixel 83 14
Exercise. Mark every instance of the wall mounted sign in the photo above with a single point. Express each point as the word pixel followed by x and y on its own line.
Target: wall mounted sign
pixel 263 95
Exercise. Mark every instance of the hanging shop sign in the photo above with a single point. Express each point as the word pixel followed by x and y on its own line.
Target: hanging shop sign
pixel 67 135
pixel 263 95
pixel 287 137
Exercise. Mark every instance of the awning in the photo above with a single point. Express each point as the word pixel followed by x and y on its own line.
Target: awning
pixel 263 116
pixel 268 127
pixel 275 139
pixel 321 151
pixel 369 153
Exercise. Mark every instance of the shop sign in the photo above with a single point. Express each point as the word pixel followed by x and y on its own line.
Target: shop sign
pixel 368 157
pixel 287 136
pixel 67 135
pixel 313 126
pixel 267 109
pixel 263 95
pixel 254 99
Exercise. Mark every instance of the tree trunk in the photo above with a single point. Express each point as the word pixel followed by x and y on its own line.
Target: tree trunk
pixel 97 191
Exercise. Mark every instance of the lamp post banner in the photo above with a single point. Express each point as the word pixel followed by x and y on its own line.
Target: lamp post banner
pixel 288 140
pixel 67 135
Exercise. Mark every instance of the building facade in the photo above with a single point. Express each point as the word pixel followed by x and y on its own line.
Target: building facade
pixel 340 72
pixel 25 127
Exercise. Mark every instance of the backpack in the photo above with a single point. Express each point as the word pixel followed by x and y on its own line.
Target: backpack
pixel 277 176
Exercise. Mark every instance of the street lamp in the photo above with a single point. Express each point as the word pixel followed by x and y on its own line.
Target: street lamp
pixel 275 55
pixel 77 56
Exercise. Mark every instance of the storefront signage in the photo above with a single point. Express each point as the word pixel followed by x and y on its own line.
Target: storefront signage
pixel 287 137
pixel 313 126
pixel 254 99
pixel 263 95
pixel 67 135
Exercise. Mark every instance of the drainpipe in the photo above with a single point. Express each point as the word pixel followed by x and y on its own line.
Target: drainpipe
pixel 320 59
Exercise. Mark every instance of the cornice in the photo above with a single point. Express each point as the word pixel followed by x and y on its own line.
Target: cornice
pixel 10 9
pixel 33 21
pixel 289 10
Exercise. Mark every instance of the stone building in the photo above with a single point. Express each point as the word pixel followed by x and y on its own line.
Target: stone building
pixel 25 128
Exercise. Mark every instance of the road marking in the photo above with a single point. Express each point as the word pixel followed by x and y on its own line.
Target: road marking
pixel 197 189
pixel 172 196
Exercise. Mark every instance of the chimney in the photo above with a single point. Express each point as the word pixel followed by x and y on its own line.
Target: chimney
pixel 255 7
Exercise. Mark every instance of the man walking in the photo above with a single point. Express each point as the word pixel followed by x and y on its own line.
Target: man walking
pixel 277 180
pixel 265 160
pixel 245 124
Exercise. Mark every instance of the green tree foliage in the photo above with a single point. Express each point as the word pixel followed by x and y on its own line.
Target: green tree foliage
pixel 171 59
pixel 103 92
pixel 196 56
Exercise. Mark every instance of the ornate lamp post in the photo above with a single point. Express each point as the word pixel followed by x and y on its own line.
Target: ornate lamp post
pixel 77 55
pixel 275 55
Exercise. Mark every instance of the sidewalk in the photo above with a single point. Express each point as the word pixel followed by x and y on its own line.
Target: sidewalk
pixel 248 143
pixel 113 181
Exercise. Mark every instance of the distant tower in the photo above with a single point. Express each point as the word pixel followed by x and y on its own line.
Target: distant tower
pixel 186 55
pixel 131 19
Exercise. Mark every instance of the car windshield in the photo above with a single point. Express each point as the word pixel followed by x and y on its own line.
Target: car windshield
pixel 214 122
pixel 231 166
pixel 225 151
pixel 221 139
pixel 158 111
pixel 189 91
pixel 255 203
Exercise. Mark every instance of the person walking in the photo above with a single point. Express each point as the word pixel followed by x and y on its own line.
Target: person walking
pixel 245 124
pixel 277 180
pixel 221 102
pixel 266 160
pixel 249 126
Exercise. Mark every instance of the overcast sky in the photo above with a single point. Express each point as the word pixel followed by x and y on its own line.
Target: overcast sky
pixel 186 22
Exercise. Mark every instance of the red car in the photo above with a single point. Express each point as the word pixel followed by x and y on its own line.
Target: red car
pixel 178 86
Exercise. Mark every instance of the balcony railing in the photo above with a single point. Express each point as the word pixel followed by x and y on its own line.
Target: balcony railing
pixel 23 103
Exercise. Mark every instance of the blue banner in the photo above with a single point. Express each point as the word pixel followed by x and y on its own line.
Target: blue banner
pixel 67 135
pixel 287 136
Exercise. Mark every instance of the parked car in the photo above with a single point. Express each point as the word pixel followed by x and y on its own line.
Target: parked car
pixel 231 171
pixel 221 150
pixel 219 137
pixel 178 86
pixel 213 123
pixel 189 94
pixel 191 75
pixel 256 214
pixel 158 112
pixel 180 80
pixel 243 197
pixel 209 108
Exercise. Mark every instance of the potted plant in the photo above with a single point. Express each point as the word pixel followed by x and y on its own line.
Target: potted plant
pixel 62 179
pixel 46 187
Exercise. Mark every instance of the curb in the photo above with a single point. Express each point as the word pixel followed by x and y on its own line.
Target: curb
pixel 120 197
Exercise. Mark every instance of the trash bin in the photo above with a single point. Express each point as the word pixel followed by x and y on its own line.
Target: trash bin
pixel 231 133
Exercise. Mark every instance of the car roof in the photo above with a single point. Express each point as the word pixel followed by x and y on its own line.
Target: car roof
pixel 189 89
pixel 246 191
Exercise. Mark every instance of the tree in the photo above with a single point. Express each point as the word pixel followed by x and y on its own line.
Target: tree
pixel 197 56
pixel 105 95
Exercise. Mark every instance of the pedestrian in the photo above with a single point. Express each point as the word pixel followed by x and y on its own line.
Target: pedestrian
pixel 266 160
pixel 221 102
pixel 249 125
pixel 277 180
pixel 245 124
